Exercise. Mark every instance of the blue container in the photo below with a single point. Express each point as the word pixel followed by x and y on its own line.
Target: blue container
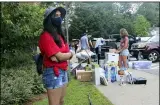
pixel 113 74
pixel 106 72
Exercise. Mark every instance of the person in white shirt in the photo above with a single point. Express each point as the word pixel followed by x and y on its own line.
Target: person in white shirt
pixel 99 42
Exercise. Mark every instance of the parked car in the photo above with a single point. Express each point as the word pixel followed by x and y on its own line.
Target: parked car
pixel 147 50
pixel 114 40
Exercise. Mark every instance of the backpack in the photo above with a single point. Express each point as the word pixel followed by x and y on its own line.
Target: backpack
pixel 39 63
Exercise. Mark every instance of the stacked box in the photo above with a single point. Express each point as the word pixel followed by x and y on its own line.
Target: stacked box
pixel 111 71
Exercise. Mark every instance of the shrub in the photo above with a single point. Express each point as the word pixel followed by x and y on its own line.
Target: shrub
pixel 16 59
pixel 17 85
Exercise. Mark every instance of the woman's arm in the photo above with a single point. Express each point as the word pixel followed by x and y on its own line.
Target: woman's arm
pixel 59 57
pixel 53 58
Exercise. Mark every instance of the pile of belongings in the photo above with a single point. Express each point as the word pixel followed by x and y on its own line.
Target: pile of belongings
pixel 80 66
pixel 84 54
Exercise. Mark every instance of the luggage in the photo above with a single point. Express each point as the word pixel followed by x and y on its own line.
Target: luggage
pixel 142 65
pixel 103 80
pixel 139 80
pixel 84 54
pixel 79 55
pixel 87 53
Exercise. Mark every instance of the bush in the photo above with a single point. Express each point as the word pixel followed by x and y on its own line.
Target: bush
pixel 16 59
pixel 17 85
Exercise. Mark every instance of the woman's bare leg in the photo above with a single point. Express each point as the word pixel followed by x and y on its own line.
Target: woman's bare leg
pixel 120 62
pixel 54 96
pixel 63 94
pixel 125 62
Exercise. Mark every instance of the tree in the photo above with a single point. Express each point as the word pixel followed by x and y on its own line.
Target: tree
pixel 141 26
pixel 100 19
pixel 151 12
pixel 20 28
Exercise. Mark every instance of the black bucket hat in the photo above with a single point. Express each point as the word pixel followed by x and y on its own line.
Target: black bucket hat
pixel 51 10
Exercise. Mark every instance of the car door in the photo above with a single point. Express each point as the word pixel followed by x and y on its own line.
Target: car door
pixel 131 41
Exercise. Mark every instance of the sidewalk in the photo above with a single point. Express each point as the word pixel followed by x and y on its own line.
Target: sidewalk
pixel 133 94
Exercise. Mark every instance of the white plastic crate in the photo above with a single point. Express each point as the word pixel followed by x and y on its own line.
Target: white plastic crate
pixel 111 57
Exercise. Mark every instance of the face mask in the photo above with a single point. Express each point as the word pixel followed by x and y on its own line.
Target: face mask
pixel 56 21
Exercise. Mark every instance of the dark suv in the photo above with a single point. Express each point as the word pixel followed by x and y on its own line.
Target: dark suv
pixel 147 50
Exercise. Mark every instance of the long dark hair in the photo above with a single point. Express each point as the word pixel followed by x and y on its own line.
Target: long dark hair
pixel 54 31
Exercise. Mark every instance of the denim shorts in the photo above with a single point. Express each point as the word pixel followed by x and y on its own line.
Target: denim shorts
pixel 51 81
pixel 125 52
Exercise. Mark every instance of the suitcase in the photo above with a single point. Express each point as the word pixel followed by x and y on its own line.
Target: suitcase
pixel 142 65
pixel 139 80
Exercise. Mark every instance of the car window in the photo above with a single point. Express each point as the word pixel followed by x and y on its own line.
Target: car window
pixel 131 39
pixel 154 38
pixel 116 36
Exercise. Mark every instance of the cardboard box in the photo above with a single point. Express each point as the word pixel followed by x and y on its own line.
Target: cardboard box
pixel 83 75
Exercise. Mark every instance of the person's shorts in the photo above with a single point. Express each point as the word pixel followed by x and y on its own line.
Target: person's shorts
pixel 125 52
pixel 50 81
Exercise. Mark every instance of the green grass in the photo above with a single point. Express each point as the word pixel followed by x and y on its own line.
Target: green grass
pixel 77 94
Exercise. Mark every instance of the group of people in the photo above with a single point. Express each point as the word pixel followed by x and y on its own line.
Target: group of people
pixel 83 44
pixel 55 50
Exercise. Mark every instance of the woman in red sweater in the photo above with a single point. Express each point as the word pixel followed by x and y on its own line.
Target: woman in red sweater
pixel 54 48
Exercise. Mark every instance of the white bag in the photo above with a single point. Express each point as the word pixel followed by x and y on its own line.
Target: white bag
pixel 129 77
pixel 84 54
pixel 79 55
pixel 87 53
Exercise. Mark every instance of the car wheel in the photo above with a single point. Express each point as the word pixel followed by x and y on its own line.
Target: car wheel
pixel 139 56
pixel 153 56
